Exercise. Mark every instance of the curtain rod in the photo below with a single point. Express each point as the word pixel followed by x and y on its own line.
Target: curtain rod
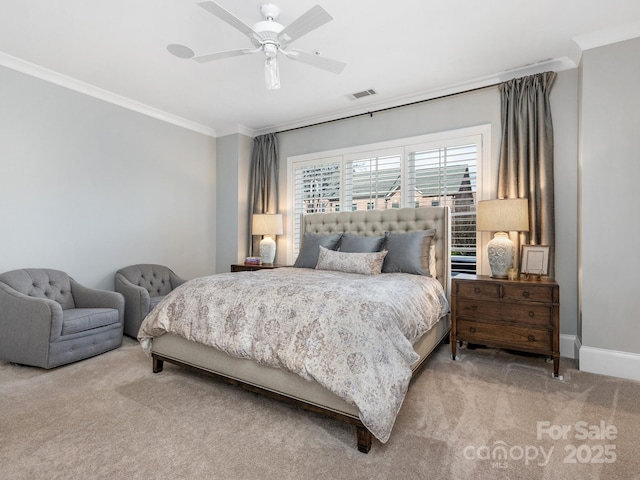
pixel 371 113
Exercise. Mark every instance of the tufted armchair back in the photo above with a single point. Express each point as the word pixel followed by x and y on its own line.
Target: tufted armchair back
pixel 155 279
pixel 41 283
pixel 143 287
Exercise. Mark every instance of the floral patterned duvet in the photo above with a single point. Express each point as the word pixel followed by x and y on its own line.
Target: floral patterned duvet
pixel 351 333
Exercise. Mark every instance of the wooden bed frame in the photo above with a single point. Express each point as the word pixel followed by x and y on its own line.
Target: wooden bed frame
pixel 291 388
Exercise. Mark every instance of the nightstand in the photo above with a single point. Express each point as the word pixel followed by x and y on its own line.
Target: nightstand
pixel 520 315
pixel 240 267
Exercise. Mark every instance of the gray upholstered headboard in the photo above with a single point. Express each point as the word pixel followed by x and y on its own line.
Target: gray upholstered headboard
pixel 377 222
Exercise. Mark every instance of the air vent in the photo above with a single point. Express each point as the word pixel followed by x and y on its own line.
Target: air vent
pixel 364 93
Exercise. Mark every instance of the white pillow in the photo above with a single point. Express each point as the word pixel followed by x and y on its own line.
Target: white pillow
pixel 362 263
pixel 432 261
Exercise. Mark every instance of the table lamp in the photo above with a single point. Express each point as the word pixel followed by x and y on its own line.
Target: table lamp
pixel 268 225
pixel 501 217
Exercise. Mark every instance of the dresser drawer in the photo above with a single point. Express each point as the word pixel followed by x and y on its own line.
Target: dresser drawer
pixel 531 314
pixel 527 292
pixel 512 314
pixel 506 336
pixel 477 289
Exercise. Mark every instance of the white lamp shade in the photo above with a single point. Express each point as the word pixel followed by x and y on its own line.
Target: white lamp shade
pixel 509 215
pixel 266 224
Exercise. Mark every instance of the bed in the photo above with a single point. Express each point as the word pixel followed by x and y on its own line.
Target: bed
pixel 322 319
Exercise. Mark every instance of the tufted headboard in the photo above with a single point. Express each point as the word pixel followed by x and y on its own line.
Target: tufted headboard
pixel 377 222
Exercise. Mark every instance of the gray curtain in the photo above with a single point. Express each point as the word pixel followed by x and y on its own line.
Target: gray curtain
pixel 526 155
pixel 263 187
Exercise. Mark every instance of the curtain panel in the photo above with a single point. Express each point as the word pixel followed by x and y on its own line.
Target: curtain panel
pixel 263 188
pixel 526 156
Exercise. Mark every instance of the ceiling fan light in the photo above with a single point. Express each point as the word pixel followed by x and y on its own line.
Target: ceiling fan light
pixel 270 49
pixel 272 73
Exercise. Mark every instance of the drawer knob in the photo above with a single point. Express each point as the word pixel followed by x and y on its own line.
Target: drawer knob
pixel 532 314
pixel 474 307
pixel 531 338
pixel 525 294
pixel 472 329
pixel 477 290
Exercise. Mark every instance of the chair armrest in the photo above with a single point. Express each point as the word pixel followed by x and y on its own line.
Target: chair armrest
pixel 137 299
pixel 85 297
pixel 176 281
pixel 27 325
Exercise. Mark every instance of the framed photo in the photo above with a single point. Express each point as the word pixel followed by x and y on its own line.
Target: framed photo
pixel 535 260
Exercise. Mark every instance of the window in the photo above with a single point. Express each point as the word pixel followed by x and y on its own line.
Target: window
pixel 373 181
pixel 317 189
pixel 448 175
pixel 440 169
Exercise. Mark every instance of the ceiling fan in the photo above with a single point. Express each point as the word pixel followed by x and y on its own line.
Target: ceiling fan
pixel 270 38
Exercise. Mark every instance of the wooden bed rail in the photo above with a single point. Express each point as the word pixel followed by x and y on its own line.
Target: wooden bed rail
pixel 364 436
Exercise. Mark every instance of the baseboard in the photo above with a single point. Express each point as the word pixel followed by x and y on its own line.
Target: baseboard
pixel 567 346
pixel 610 362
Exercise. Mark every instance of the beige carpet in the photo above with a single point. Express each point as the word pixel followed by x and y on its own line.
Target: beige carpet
pixel 111 417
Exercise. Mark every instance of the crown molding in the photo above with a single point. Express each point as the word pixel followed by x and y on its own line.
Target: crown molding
pixel 580 44
pixel 608 36
pixel 557 65
pixel 56 78
pixel 235 129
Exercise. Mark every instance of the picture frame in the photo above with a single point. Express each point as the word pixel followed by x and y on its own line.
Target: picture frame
pixel 534 260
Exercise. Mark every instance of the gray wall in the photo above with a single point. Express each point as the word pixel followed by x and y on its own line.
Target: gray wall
pixel 88 187
pixel 474 108
pixel 564 106
pixel 610 169
pixel 232 193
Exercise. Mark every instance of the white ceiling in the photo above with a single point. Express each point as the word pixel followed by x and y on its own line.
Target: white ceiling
pixel 407 50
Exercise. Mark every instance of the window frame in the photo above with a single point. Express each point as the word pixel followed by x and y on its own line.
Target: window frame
pixel 480 135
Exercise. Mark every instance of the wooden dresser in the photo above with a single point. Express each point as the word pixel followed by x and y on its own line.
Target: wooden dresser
pixel 519 315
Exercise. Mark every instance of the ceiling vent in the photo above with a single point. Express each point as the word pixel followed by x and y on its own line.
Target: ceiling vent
pixel 364 93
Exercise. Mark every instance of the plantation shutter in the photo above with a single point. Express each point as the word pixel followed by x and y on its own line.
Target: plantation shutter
pixel 374 182
pixel 426 171
pixel 317 190
pixel 448 176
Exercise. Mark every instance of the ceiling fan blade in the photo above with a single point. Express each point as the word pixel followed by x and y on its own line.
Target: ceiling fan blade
pixel 226 54
pixel 228 17
pixel 333 66
pixel 312 19
pixel 180 51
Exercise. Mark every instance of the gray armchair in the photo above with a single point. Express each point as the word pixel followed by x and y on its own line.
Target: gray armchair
pixel 48 319
pixel 143 287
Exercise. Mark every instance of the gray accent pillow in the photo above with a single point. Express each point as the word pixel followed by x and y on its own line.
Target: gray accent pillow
pixel 351 243
pixel 408 252
pixel 310 249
